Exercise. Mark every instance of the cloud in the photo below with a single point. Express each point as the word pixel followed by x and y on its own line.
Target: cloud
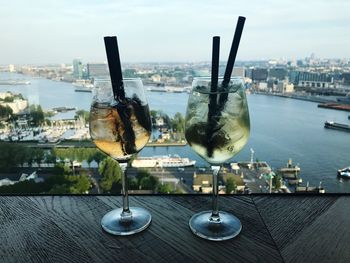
pixel 174 30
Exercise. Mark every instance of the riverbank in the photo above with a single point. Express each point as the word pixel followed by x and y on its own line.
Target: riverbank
pixel 311 98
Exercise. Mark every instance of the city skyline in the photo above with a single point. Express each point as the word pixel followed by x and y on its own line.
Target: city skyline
pixel 42 33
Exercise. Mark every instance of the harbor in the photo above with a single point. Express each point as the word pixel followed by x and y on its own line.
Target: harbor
pixel 275 145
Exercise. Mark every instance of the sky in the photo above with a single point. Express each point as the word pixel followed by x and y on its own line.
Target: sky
pixel 42 31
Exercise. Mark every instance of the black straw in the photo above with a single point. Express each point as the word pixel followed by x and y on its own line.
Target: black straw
pixel 115 69
pixel 231 61
pixel 234 49
pixel 213 95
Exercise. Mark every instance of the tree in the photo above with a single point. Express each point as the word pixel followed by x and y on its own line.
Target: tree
pixel 82 113
pixel 50 157
pixel 145 181
pixel 99 156
pixel 37 115
pixel 165 188
pixel 148 183
pixel 154 113
pixel 38 155
pixel 230 185
pixel 5 112
pixel 11 155
pixel 111 174
pixel 178 123
pixel 277 181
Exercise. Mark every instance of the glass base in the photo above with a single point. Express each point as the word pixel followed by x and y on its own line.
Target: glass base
pixel 111 222
pixel 229 226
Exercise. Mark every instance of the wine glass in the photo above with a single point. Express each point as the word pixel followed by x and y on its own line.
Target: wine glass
pixel 121 129
pixel 217 127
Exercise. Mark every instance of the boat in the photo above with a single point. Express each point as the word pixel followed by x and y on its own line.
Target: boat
pixel 345 172
pixel 14 82
pixel 337 126
pixel 82 85
pixel 64 109
pixel 83 89
pixel 295 181
pixel 290 168
pixel 156 89
pixel 162 161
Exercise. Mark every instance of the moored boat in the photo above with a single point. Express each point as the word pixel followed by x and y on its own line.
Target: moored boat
pixel 337 126
pixel 162 161
pixel 345 172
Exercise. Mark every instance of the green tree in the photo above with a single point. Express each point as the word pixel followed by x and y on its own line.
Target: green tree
pixel 145 181
pixel 38 155
pixel 9 99
pixel 277 181
pixel 82 113
pixel 5 112
pixel 10 155
pixel 154 113
pixel 230 185
pixel 99 156
pixel 37 115
pixel 165 188
pixel 178 123
pixel 50 157
pixel 148 183
pixel 78 184
pixel 111 174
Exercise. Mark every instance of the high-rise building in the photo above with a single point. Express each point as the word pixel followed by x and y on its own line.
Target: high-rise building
pixel 277 73
pixel 293 76
pixel 97 70
pixel 259 74
pixel 346 77
pixel 77 69
pixel 317 80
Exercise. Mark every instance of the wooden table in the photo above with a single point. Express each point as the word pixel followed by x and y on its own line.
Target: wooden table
pixel 287 228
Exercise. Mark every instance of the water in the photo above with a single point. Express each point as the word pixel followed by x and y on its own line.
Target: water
pixel 281 128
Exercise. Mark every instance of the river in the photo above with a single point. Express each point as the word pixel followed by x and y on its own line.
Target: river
pixel 281 128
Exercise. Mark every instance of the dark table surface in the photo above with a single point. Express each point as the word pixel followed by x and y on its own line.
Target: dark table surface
pixel 288 228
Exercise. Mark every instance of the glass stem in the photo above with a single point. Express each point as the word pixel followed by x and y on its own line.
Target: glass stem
pixel 126 215
pixel 215 218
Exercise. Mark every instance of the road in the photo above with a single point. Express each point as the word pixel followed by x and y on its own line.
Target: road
pixel 182 178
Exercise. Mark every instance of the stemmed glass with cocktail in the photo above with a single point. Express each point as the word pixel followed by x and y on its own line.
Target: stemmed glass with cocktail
pixel 217 127
pixel 120 126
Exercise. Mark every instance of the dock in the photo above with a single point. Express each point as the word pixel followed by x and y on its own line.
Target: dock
pixel 335 106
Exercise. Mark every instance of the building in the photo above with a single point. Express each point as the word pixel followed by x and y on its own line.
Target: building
pixel 238 72
pixel 77 69
pixel 203 183
pixel 285 87
pixel 262 86
pixel 259 74
pixel 97 70
pixel 12 68
pixel 277 73
pixel 315 80
pixel 346 77
pixel 293 76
